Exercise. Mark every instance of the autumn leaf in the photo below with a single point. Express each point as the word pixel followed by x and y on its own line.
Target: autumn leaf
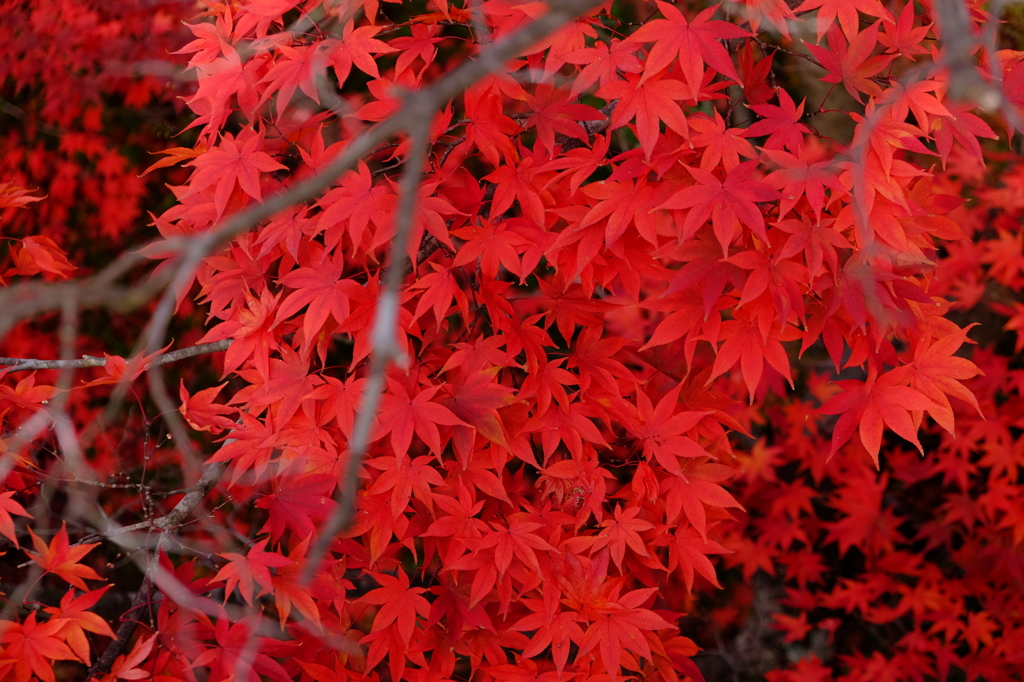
pixel 14 196
pixel 75 620
pixel 234 161
pixel 38 254
pixel 729 203
pixel 865 406
pixel 249 569
pixel 31 647
pixel 128 666
pixel 201 413
pixel 8 506
pixel 695 43
pixel 851 63
pixel 621 531
pixel 399 604
pixel 62 560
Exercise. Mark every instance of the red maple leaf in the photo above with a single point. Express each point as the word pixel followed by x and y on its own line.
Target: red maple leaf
pixel 201 413
pixel 8 506
pixel 31 647
pixel 401 415
pixel 399 604
pixel 695 43
pixel 235 161
pixel 651 102
pixel 12 195
pixel 621 531
pixel 849 21
pixel 621 625
pixel 75 620
pixel 728 203
pixel 780 123
pixel 63 560
pixel 851 63
pixel 245 570
pixel 37 254
pixel 865 406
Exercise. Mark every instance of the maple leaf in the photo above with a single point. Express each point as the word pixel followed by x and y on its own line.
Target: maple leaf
pixel 295 67
pixel 488 128
pixel 622 204
pixel 555 112
pixel 243 570
pixel 201 413
pixel 38 254
pixel 295 501
pixel 936 373
pixel 851 63
pixel 251 328
pixel 75 620
pixel 475 399
pixel 661 429
pixel 849 21
pixel 401 415
pixel 356 47
pixel 690 492
pixel 650 102
pixel 12 195
pixel 901 37
pixel 252 445
pixel 780 123
pixel 961 125
pixel 688 552
pixel 174 156
pixel 516 183
pixel 517 539
pixel 621 531
pixel 620 626
pixel 8 506
pixel 695 43
pixel 351 206
pixel 32 647
pixel 866 405
pixel 778 13
pixel 405 478
pixel 494 245
pixel 25 393
pixel 118 369
pixel 799 176
pixel 440 287
pixel 721 145
pixel 291 590
pixel 755 76
pixel 399 604
pixel 289 386
pixel 602 63
pixel 728 203
pixel 558 633
pixel 235 161
pixel 63 560
pixel 818 242
pixel 129 666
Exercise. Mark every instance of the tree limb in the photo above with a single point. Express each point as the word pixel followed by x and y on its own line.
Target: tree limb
pixel 26 364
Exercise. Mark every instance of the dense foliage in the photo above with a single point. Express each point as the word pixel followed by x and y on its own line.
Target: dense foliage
pixel 704 351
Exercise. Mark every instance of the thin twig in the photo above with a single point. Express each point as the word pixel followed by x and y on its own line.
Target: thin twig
pixel 26 364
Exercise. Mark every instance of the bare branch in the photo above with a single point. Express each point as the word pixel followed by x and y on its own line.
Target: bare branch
pixel 26 364
pixel 964 83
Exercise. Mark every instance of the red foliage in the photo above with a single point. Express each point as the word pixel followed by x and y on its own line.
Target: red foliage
pixel 609 439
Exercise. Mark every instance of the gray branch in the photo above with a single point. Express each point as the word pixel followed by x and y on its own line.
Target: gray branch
pixel 26 364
